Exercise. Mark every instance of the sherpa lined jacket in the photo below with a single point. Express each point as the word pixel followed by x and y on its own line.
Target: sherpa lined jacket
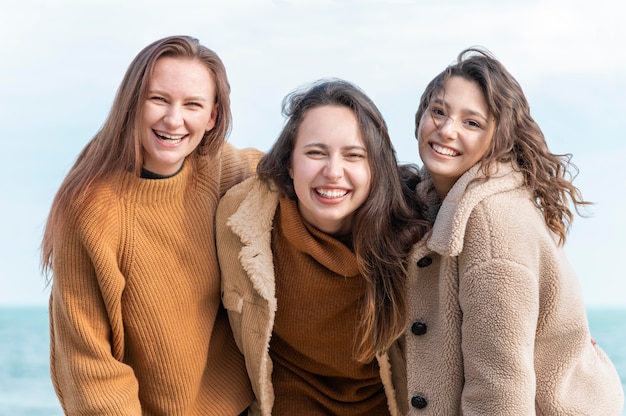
pixel 243 229
pixel 497 321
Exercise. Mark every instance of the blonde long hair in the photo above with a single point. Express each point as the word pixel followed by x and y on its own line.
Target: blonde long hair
pixel 116 146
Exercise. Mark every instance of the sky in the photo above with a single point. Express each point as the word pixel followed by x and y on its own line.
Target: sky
pixel 61 63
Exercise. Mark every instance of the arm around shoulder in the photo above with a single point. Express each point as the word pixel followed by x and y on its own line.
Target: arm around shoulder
pixel 237 165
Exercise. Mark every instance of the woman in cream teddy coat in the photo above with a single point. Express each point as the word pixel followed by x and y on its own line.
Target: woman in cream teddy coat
pixel 497 319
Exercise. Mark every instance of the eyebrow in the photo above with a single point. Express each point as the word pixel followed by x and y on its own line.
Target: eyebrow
pixel 192 98
pixel 325 146
pixel 465 110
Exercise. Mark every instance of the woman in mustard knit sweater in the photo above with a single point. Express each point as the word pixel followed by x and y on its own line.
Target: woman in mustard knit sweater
pixel 312 259
pixel 135 317
pixel 497 318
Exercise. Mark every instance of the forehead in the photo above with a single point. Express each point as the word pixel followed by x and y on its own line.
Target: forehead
pixel 181 72
pixel 330 124
pixel 462 93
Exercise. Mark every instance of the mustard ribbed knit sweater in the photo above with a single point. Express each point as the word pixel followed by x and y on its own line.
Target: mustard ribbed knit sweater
pixel 135 316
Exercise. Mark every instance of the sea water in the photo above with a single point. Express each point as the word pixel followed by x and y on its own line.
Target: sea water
pixel 26 389
pixel 25 386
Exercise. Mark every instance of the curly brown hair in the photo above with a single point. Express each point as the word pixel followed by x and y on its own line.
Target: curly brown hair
pixel 517 137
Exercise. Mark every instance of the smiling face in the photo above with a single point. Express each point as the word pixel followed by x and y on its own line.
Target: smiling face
pixel 455 132
pixel 329 167
pixel 179 108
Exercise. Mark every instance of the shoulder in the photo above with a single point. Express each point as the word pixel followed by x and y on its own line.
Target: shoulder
pixel 504 201
pixel 251 187
pixel 229 166
pixel 230 152
pixel 231 157
pixel 509 215
pixel 508 207
pixel 92 219
pixel 477 206
pixel 503 189
pixel 96 204
pixel 503 206
pixel 249 200
pixel 507 229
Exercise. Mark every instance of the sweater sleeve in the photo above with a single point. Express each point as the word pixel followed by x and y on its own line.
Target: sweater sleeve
pixel 86 333
pixel 237 165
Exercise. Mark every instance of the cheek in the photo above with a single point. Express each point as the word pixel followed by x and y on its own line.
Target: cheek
pixel 424 130
pixel 298 175
pixel 486 145
pixel 425 124
pixel 422 143
pixel 300 185
pixel 149 115
pixel 420 138
pixel 366 179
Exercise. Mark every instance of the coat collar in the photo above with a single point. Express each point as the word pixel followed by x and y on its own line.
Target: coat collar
pixel 252 223
pixel 448 232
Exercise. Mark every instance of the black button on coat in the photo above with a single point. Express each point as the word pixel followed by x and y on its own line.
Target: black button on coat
pixel 424 262
pixel 419 328
pixel 419 402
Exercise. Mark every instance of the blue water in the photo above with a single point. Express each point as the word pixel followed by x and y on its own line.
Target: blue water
pixel 25 386
pixel 26 390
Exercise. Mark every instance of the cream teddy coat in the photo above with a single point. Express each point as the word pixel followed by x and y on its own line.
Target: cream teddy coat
pixel 497 322
pixel 243 229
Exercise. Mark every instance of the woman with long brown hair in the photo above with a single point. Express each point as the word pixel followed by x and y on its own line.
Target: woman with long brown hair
pixel 136 323
pixel 313 253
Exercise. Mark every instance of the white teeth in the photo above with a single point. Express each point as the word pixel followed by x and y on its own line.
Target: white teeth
pixel 170 137
pixel 331 193
pixel 443 150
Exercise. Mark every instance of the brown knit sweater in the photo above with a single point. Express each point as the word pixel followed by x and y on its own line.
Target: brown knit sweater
pixel 136 322
pixel 319 292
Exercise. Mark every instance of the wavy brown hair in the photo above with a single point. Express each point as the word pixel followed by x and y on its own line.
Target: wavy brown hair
pixel 385 226
pixel 116 147
pixel 517 137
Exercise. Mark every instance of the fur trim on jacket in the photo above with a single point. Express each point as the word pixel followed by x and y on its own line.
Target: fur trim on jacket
pixel 243 229
pixel 497 323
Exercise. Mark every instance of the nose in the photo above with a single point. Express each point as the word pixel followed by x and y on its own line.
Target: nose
pixel 173 117
pixel 334 168
pixel 448 128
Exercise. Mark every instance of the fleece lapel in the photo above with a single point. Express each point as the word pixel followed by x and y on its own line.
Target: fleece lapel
pixel 252 222
pixel 449 229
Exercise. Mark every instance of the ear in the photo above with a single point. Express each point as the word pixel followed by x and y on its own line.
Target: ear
pixel 212 120
pixel 290 170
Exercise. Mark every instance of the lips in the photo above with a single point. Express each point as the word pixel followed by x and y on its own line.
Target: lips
pixel 446 151
pixel 169 138
pixel 331 193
